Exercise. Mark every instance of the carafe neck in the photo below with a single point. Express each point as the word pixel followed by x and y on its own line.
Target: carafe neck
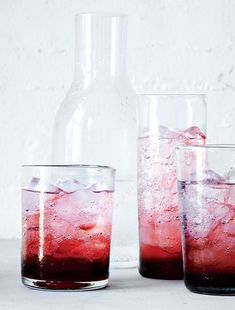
pixel 100 45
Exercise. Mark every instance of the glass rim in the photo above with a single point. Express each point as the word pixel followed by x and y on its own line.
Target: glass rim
pixel 207 147
pixel 171 94
pixel 102 14
pixel 81 166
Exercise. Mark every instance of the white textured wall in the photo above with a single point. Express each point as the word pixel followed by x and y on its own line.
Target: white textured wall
pixel 174 45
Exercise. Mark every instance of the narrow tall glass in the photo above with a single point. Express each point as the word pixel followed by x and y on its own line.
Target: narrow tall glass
pixel 206 185
pixel 164 122
pixel 66 226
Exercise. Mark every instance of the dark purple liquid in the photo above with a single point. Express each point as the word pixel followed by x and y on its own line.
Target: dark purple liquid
pixel 211 283
pixel 155 263
pixel 169 269
pixel 64 273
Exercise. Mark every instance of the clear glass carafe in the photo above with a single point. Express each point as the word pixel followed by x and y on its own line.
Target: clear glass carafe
pixel 96 124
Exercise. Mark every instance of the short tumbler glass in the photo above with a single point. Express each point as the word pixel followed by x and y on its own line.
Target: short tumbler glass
pixel 66 226
pixel 164 122
pixel 206 186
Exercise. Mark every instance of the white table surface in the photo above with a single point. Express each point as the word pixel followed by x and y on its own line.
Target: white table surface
pixel 126 290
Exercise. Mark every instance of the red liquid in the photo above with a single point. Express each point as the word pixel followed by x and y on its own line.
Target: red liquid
pixel 159 225
pixel 209 237
pixel 66 244
pixel 158 264
pixel 210 263
pixel 68 265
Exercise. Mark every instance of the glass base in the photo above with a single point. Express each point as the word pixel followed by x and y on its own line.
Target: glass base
pixel 211 291
pixel 64 285
pixel 210 283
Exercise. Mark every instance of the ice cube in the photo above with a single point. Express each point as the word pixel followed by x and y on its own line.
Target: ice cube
pixel 230 176
pixel 36 184
pixel 99 187
pixel 194 133
pixel 196 214
pixel 212 177
pixel 219 211
pixel 199 223
pixel 168 133
pixel 77 208
pixel 69 185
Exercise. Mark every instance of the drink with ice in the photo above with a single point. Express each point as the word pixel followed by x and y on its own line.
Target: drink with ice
pixel 159 226
pixel 66 234
pixel 208 221
pixel 207 202
pixel 165 121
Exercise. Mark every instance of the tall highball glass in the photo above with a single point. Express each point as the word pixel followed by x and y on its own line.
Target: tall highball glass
pixel 164 122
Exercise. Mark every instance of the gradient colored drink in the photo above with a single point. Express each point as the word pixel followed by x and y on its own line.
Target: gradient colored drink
pixel 159 225
pixel 208 221
pixel 66 236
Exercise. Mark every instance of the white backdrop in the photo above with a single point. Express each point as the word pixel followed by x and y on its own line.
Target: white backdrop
pixel 173 45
